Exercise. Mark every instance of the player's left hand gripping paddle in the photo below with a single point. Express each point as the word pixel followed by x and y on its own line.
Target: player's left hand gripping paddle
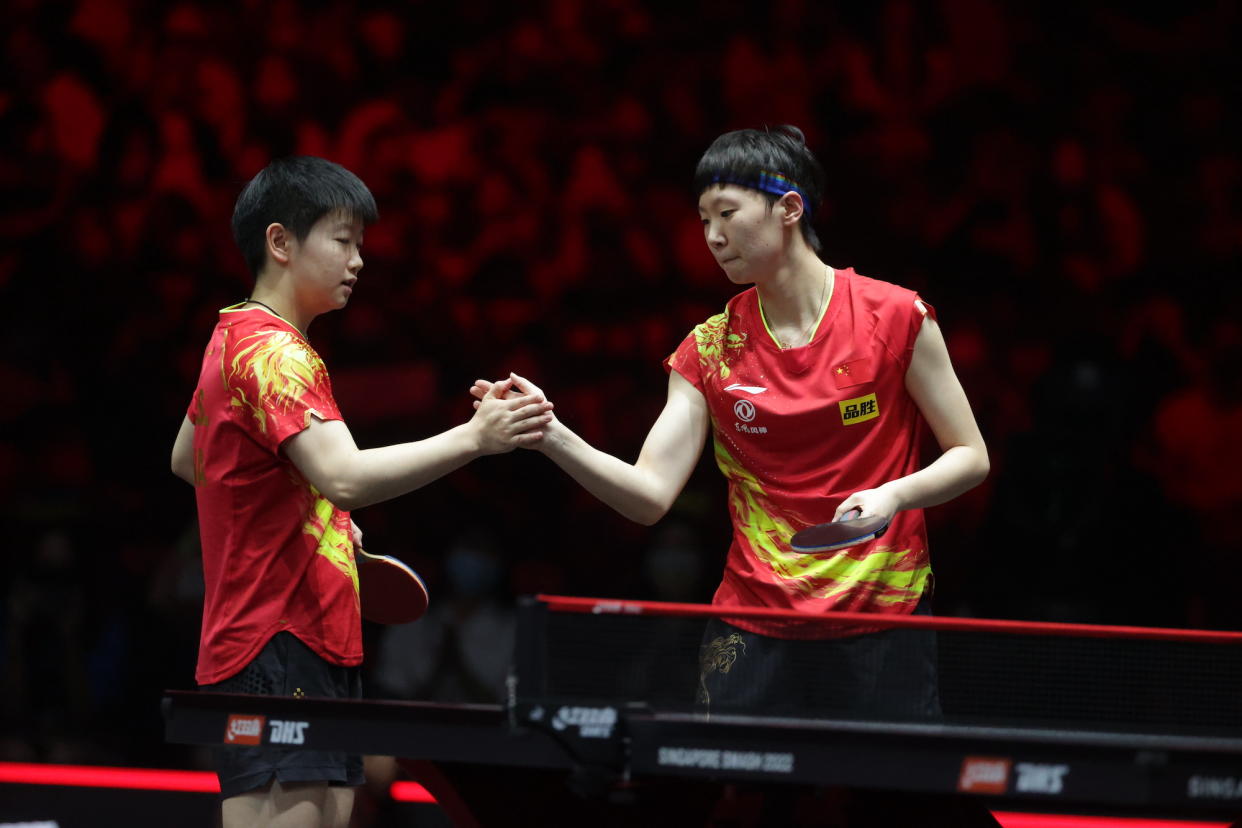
pixel 390 591
pixel 839 534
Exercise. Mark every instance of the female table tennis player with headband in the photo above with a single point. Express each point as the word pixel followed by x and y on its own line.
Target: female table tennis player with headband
pixel 815 384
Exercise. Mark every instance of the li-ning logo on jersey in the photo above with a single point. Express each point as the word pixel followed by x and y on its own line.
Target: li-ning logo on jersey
pixel 859 409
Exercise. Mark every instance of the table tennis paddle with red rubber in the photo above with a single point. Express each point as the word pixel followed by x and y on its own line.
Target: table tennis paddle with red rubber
pixel 391 592
pixel 839 534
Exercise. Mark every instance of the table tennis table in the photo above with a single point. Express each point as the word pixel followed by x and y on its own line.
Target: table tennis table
pixel 609 735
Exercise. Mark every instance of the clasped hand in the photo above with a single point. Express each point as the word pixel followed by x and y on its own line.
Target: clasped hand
pixel 504 418
pixel 524 396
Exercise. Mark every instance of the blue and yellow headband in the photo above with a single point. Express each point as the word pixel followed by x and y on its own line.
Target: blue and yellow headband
pixel 767 182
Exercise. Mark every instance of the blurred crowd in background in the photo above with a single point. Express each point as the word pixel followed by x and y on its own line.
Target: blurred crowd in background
pixel 1060 181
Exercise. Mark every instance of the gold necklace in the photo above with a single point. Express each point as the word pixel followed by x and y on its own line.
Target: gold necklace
pixel 819 311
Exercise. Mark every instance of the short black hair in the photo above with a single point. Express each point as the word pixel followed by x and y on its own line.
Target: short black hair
pixel 296 191
pixel 747 156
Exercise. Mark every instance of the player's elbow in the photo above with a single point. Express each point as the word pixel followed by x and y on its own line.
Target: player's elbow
pixel 343 493
pixel 979 467
pixel 648 511
pixel 183 469
pixel 337 476
pixel 648 495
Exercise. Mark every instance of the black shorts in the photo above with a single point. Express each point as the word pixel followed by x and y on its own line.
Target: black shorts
pixel 890 674
pixel 287 667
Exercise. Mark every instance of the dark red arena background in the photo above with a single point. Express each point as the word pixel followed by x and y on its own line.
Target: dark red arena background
pixel 1062 181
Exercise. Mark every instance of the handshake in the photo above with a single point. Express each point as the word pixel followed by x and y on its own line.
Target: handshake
pixel 510 413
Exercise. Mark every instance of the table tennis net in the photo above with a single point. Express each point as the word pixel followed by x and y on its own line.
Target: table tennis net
pixel 1073 676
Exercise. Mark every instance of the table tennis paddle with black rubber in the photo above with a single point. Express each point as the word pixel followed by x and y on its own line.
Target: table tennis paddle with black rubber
pixel 391 592
pixel 839 534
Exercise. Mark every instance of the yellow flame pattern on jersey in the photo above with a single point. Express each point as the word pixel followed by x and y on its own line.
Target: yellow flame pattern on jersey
pixel 283 367
pixel 331 542
pixel 886 572
pixel 716 345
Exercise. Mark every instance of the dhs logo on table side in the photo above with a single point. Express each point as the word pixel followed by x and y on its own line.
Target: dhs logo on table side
pixel 991 775
pixel 592 722
pixel 287 733
pixel 248 730
pixel 1039 778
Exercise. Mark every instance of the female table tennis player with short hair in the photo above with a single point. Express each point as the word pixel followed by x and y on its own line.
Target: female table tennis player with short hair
pixel 815 384
pixel 276 471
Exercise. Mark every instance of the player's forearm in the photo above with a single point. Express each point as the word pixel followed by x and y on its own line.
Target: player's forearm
pixel 957 470
pixel 374 475
pixel 633 492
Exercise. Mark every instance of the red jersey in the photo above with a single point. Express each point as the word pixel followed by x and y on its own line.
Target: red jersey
pixel 796 431
pixel 277 555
